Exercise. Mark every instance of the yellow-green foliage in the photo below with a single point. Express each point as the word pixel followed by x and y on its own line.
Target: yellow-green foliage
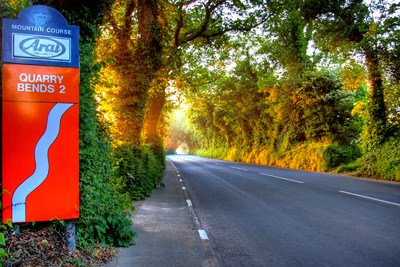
pixel 216 153
pixel 233 155
pixel 266 156
pixel 304 156
pixel 307 156
pixel 384 161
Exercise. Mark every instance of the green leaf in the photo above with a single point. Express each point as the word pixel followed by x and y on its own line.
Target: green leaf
pixel 2 240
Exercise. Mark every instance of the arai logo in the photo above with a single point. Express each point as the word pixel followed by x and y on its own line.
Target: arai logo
pixel 43 47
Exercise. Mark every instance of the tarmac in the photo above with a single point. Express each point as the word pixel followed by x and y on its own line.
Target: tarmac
pixel 167 230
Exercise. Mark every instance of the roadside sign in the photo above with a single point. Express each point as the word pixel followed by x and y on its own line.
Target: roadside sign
pixel 40 117
pixel 40 36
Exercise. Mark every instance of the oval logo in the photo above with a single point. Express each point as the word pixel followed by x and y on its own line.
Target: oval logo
pixel 42 47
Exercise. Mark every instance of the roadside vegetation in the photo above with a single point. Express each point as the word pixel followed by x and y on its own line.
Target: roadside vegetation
pixel 302 84
pixel 314 88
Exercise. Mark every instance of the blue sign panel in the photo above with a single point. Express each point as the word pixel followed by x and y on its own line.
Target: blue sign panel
pixel 40 36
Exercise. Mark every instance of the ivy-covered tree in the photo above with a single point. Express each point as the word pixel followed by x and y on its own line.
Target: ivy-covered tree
pixel 145 40
pixel 355 25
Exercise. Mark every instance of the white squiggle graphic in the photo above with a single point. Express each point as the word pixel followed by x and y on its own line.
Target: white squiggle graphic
pixel 42 162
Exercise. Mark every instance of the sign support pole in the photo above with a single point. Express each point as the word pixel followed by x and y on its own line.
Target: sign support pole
pixel 70 236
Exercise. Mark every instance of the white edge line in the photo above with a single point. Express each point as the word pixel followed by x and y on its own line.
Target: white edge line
pixel 189 203
pixel 282 178
pixel 173 165
pixel 203 235
pixel 237 168
pixel 370 198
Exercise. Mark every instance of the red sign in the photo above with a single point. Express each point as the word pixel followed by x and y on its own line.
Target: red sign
pixel 40 83
pixel 40 143
pixel 40 161
pixel 40 119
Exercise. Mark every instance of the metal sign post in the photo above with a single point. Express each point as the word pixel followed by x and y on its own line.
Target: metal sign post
pixel 40 117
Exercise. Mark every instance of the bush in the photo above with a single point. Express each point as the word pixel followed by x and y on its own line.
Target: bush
pixel 335 155
pixel 139 170
pixel 216 152
pixel 104 212
pixel 384 161
pixel 350 167
pixel 304 156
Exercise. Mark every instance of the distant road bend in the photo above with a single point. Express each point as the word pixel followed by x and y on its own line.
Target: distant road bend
pixel 262 216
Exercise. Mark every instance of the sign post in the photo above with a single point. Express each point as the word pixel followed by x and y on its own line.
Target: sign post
pixel 40 117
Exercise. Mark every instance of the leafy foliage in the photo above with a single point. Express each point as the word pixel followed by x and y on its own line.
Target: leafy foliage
pixel 138 170
pixel 383 161
pixel 104 211
pixel 3 228
pixel 299 94
pixel 289 123
pixel 336 155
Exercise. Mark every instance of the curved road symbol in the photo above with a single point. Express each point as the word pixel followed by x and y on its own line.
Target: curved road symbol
pixel 42 162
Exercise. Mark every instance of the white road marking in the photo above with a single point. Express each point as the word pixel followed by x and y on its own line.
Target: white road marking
pixel 180 180
pixel 282 178
pixel 178 175
pixel 173 165
pixel 203 234
pixel 370 198
pixel 218 164
pixel 189 203
pixel 183 188
pixel 237 168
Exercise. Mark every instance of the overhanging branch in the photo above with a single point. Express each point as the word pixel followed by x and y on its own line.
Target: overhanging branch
pixel 203 31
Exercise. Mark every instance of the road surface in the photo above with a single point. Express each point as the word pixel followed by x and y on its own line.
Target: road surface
pixel 263 216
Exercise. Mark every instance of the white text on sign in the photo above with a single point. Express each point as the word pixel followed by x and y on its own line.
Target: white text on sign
pixel 40 83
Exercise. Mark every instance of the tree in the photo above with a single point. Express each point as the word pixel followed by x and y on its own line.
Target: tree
pixel 274 100
pixel 151 35
pixel 292 34
pixel 136 51
pixel 353 22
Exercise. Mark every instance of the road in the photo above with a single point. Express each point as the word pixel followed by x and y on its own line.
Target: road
pixel 264 216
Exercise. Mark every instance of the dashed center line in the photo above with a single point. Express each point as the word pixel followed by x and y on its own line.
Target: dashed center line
pixel 282 178
pixel 183 188
pixel 189 203
pixel 203 234
pixel 237 168
pixel 370 198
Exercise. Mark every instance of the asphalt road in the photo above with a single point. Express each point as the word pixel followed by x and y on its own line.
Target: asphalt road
pixel 262 216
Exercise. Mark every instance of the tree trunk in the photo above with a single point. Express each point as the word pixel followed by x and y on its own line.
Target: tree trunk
pixel 377 113
pixel 155 105
pixel 137 65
